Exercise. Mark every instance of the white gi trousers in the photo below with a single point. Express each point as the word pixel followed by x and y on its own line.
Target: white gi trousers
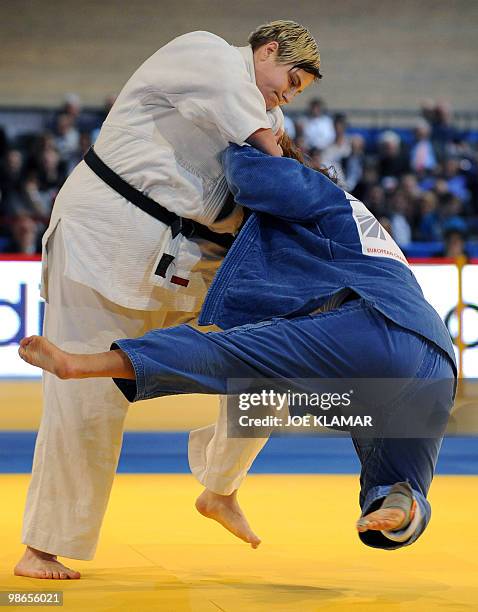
pixel 80 436
pixel 218 462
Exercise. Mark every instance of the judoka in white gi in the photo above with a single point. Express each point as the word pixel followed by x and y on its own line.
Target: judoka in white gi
pixel 110 269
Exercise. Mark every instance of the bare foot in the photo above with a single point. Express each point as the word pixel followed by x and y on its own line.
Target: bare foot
pixel 225 510
pixel 40 352
pixel 37 564
pixel 386 519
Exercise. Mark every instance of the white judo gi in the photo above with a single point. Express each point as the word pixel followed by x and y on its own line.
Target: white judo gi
pixel 164 136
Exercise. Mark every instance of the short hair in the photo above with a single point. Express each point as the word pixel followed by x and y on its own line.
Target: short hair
pixel 296 44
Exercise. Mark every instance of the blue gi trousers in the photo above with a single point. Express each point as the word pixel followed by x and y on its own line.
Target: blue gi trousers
pixel 351 341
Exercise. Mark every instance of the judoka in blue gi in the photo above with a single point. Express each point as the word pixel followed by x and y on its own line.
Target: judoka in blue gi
pixel 312 288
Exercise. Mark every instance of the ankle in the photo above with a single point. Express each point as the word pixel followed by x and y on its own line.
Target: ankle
pixel 218 497
pixel 69 366
pixel 39 553
pixel 63 369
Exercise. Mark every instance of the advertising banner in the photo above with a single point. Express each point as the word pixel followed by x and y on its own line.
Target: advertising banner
pixel 22 309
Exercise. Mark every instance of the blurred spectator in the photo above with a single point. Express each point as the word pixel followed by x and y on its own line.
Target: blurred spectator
pixel 451 210
pixel 392 161
pixel 3 143
pixel 10 172
pixel 353 165
pixel 461 149
pixel 46 161
pixel 369 178
pixel 318 127
pixel 376 201
pixel 72 106
pixel 38 203
pixel 24 236
pixel 341 148
pixel 422 155
pixel 455 241
pixel 10 186
pixel 289 127
pixel 315 158
pixel 51 171
pixel 409 186
pixel 401 230
pixel 390 185
pixel 455 180
pixel 429 225
pixel 427 111
pixel 67 137
pixel 443 130
pixel 84 144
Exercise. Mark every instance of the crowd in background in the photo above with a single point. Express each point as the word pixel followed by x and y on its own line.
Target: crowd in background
pixel 421 183
pixel 34 167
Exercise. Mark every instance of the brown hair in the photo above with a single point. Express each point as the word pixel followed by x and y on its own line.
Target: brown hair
pixel 290 149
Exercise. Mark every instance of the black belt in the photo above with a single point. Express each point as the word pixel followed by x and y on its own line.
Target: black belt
pixel 178 225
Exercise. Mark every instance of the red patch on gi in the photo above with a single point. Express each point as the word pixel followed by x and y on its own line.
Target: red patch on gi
pixel 177 280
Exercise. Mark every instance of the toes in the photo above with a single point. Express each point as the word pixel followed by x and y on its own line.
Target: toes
pixel 364 524
pixel 71 574
pixel 376 525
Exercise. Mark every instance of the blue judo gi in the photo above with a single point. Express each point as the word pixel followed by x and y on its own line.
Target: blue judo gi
pixel 307 241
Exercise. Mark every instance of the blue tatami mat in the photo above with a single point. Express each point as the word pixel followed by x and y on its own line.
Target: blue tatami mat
pixel 166 452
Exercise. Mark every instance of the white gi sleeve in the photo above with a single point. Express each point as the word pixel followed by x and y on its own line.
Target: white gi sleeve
pixel 276 119
pixel 206 80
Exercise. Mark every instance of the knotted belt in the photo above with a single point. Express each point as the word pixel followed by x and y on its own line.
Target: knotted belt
pixel 178 225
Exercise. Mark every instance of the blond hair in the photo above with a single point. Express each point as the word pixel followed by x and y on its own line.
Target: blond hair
pixel 297 46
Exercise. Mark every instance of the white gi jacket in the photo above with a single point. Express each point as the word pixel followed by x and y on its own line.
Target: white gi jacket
pixel 164 136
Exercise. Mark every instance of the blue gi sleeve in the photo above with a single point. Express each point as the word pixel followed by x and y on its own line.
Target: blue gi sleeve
pixel 279 186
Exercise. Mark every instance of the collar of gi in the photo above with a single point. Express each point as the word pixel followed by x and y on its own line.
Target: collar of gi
pixel 248 56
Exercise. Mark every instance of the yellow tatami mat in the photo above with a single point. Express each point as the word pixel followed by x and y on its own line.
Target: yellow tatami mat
pixel 157 553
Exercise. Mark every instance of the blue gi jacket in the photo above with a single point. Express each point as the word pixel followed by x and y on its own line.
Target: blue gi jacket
pixel 306 240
